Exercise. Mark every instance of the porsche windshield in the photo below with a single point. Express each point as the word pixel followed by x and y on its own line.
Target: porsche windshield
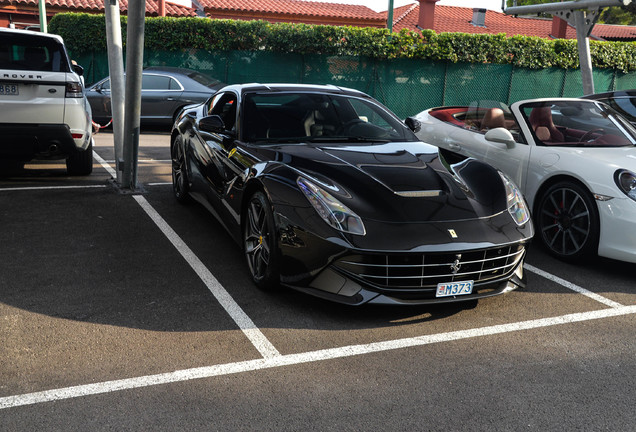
pixel 577 124
pixel 318 117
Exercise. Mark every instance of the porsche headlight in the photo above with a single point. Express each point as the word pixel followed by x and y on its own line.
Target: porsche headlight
pixel 330 209
pixel 626 181
pixel 516 204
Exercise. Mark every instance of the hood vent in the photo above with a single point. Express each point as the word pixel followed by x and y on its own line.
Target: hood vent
pixel 420 194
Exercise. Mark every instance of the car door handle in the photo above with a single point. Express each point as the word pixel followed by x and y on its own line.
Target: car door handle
pixel 454 146
pixel 170 99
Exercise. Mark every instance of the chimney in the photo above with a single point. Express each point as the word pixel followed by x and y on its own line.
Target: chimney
pixel 479 17
pixel 559 28
pixel 426 18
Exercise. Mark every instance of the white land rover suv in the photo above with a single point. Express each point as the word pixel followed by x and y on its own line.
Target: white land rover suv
pixel 44 113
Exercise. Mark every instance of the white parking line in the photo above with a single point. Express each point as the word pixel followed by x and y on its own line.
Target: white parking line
pixel 572 286
pixel 244 322
pixel 30 188
pixel 105 164
pixel 300 358
pixel 271 357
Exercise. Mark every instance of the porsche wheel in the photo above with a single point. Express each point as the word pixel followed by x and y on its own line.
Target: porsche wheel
pixel 567 221
pixel 180 184
pixel 259 242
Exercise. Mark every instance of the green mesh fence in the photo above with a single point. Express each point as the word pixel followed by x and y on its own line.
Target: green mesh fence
pixel 404 85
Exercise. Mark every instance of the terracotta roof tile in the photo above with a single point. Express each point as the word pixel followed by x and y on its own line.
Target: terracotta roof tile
pixel 608 31
pixel 295 7
pixel 447 18
pixel 98 6
pixel 458 19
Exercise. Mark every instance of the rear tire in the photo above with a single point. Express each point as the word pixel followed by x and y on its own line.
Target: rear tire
pixel 80 163
pixel 180 182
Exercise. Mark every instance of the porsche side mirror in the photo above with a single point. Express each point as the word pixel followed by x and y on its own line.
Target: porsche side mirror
pixel 413 124
pixel 213 123
pixel 500 135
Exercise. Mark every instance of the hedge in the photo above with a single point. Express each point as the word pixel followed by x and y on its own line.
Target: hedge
pixel 85 33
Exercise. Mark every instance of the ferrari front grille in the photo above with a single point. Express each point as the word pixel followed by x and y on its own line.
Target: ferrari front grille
pixel 421 271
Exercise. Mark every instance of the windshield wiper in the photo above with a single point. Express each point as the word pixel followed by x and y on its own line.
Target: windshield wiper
pixel 278 140
pixel 345 139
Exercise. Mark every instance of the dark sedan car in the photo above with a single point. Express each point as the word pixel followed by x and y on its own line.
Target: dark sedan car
pixel 164 91
pixel 623 101
pixel 331 194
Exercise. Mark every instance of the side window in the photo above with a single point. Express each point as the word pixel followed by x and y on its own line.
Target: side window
pixel 174 84
pixel 106 85
pixel 224 105
pixel 155 82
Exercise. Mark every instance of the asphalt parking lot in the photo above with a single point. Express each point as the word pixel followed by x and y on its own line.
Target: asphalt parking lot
pixel 132 312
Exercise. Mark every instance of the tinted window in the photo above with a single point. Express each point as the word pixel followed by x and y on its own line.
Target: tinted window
pixel 174 84
pixel 155 82
pixel 289 116
pixel 205 80
pixel 224 105
pixel 624 105
pixel 35 53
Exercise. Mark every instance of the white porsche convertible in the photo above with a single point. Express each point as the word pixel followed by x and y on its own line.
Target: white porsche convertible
pixel 574 159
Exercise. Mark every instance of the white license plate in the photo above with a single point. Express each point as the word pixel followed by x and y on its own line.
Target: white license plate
pixel 9 90
pixel 454 289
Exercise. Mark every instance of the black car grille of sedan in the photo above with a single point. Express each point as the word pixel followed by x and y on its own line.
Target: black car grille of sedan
pixel 424 271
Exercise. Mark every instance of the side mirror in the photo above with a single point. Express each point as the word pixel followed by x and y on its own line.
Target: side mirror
pixel 78 69
pixel 501 135
pixel 413 124
pixel 213 123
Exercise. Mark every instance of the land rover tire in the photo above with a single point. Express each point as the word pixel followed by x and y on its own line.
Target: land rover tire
pixel 81 162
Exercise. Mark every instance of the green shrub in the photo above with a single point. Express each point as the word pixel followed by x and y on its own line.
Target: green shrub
pixel 85 33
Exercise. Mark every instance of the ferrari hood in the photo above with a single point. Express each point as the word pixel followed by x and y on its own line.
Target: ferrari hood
pixel 402 182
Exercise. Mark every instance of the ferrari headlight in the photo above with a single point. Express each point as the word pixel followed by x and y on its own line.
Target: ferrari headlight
pixel 330 209
pixel 516 204
pixel 626 181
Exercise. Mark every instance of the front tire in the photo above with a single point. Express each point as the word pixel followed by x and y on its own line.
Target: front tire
pixel 568 222
pixel 259 243
pixel 180 182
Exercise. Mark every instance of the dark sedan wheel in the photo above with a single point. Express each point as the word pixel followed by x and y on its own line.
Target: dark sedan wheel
pixel 259 242
pixel 568 222
pixel 180 184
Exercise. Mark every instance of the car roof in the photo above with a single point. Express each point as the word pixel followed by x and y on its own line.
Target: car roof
pixel 612 94
pixel 32 33
pixel 170 70
pixel 288 87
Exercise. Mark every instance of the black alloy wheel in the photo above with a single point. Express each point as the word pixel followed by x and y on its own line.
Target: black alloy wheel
pixel 259 242
pixel 567 221
pixel 180 184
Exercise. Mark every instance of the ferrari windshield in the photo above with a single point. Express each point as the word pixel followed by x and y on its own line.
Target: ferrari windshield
pixel 577 124
pixel 318 117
